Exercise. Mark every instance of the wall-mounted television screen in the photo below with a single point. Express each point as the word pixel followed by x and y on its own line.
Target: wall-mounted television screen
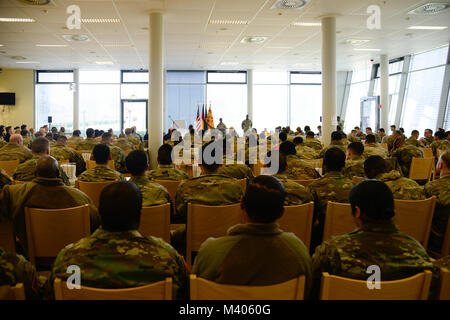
pixel 7 99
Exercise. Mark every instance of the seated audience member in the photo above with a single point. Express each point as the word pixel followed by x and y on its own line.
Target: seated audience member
pixel 153 194
pixel 304 152
pixel 441 189
pixel 117 153
pixel 117 255
pixel 354 165
pixel 371 148
pixel 124 144
pixel 256 253
pixel 165 170
pixel 312 142
pixel 440 143
pixel 235 170
pixel 26 136
pixel 376 241
pixel 427 140
pixel 389 140
pixel 89 143
pixel 46 191
pixel 15 150
pixel 369 131
pixel 101 172
pixel 333 186
pixel 336 142
pixel 404 154
pixel 297 169
pixel 4 179
pixel 61 152
pixel 402 188
pixel 353 137
pixel 137 143
pixel 414 139
pixel 73 141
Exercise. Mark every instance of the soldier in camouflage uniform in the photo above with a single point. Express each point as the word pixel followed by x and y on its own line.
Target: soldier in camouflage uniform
pixel 131 259
pixel 414 139
pixel 246 124
pixel 222 127
pixel 404 154
pixel 441 189
pixel 297 169
pixel 124 144
pixel 360 134
pixel 427 140
pixel 441 143
pixel 354 166
pixel 389 140
pixel 165 170
pixel 117 153
pixel 312 142
pixel 2 142
pixel 352 137
pixel 336 141
pixel 376 242
pixel 15 150
pixel 234 170
pixel 371 148
pixel 26 138
pixel 304 152
pixel 4 179
pixel 73 141
pixel 137 143
pixel 333 186
pixel 153 194
pixel 369 131
pixel 402 188
pixel 101 172
pixel 89 143
pixel 61 152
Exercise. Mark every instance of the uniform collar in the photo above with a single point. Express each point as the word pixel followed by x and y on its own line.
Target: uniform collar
pixel 165 166
pixel 334 174
pixel 139 179
pixel 255 229
pixel 49 182
pixel 380 226
pixel 101 233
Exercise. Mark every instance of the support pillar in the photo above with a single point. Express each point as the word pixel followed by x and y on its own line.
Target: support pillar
pixel 384 92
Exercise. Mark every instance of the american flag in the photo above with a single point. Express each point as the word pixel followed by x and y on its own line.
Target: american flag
pixel 198 121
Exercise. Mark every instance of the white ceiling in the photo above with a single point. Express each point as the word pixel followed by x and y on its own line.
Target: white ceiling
pixel 192 43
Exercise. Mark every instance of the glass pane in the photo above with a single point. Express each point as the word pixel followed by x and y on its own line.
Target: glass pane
pixel 135 76
pixel 429 59
pixel 270 106
pixel 395 67
pixel 186 77
pixel 261 77
pixel 394 85
pixel 306 78
pixel 135 114
pixel 353 113
pixel 227 77
pixel 447 114
pixel 55 76
pixel 134 91
pixel 100 76
pixel 306 106
pixel 362 74
pixel 54 100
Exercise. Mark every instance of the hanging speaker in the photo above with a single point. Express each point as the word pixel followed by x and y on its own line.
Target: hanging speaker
pixel 49 119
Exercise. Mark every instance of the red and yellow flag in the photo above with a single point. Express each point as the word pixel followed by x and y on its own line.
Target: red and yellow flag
pixel 210 119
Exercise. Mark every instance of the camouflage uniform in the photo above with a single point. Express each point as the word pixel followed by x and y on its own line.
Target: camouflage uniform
pixel 27 171
pixel 73 141
pixel 246 125
pixel 4 179
pixel 377 243
pixel 404 157
pixel 87 145
pixel 125 145
pixel 361 136
pixel 413 141
pixel 313 143
pixel 389 140
pixel 238 171
pixel 222 127
pixel 441 189
pixel 441 145
pixel 13 151
pixel 3 143
pixel 304 152
pixel 402 188
pixel 101 172
pixel 296 193
pixel 153 194
pixel 61 152
pixel 354 167
pixel 377 137
pixel 374 149
pixel 335 143
pixel 27 142
pixel 352 138
pixel 297 169
pixel 118 156
pixel 116 260
pixel 167 172
pixel 136 142
pixel 428 142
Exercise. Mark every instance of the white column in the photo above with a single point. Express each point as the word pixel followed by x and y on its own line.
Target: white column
pixel 76 100
pixel 250 94
pixel 329 117
pixel 156 96
pixel 384 89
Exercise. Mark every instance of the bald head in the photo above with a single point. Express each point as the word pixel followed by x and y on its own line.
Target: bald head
pixel 47 167
pixel 17 138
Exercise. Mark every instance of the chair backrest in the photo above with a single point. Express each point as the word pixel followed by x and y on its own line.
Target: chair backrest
pixel 50 230
pixel 202 289
pixel 338 220
pixel 161 290
pixel 16 292
pixel 298 219
pixel 414 217
pixel 93 189
pixel 427 152
pixel 7 239
pixel 316 163
pixel 155 221
pixel 86 155
pixel 60 162
pixel 244 184
pixel 338 288
pixel 305 183
pixel 91 164
pixel 9 166
pixel 356 179
pixel 171 186
pixel 444 292
pixel 421 168
pixel 208 221
pixel 445 251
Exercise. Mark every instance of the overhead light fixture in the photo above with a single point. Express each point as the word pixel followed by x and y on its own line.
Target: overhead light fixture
pixel 104 62
pixel 76 37
pixel 224 21
pixel 306 24
pixel 229 63
pixel 52 45
pixel 101 20
pixel 253 39
pixel 17 20
pixel 430 8
pixel 290 4
pixel 366 49
pixel 356 42
pixel 427 28
pixel 2 45
pixel 27 62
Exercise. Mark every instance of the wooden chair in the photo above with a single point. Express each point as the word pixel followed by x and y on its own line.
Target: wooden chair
pixel 427 152
pixel 171 186
pixel 421 169
pixel 202 289
pixel 50 230
pixel 208 221
pixel 161 290
pixel 298 219
pixel 356 179
pixel 414 217
pixel 338 288
pixel 338 220
pixel 93 189
pixel 92 164
pixel 444 292
pixel 244 184
pixel 12 293
pixel 86 155
pixel 7 238
pixel 305 183
pixel 445 251
pixel 60 162
pixel 9 166
pixel 155 221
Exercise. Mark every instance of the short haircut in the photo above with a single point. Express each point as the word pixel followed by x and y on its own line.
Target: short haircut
pixel 335 135
pixel 310 134
pixel 47 167
pixel 24 132
pixel 23 127
pixel 282 136
pixel 287 148
pixel 165 154
pixel 307 128
pixel 90 133
pixel 441 135
pixel 356 128
pixel 377 208
pixel 298 140
pixel 40 145
pixel 106 136
pixel 120 206
pixel 214 166
pixel 62 138
pixel 370 138
pixel 381 129
pixel 431 131
pixel 356 147
pixel 414 132
pixel 445 158
pixel 334 159
pixel 393 126
pixel 374 165
pixel 369 128
pixel 136 162
pixel 264 199
pixel 128 131
pixel 101 153
pixel 76 133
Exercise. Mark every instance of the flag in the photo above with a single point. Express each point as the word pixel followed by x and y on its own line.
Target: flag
pixel 203 117
pixel 198 124
pixel 210 118
pixel 206 118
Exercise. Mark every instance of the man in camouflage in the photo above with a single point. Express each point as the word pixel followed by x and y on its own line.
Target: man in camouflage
pixel 427 140
pixel 414 139
pixel 353 137
pixel 336 141
pixel 26 138
pixel 441 189
pixel 402 188
pixel 389 140
pixel 246 124
pixel 369 131
pixel 15 150
pixel 89 143
pixel 371 148
pixel 137 143
pixel 297 169
pixel 376 242
pixel 101 172
pixel 404 154
pixel 75 139
pixel 61 152
pixel 312 142
pixel 235 170
pixel 153 194
pixel 131 259
pixel 354 165
pixel 303 151
pixel 222 127
pixel 440 143
pixel 124 144
pixel 117 153
pixel 165 170
pixel 360 134
pixel 4 179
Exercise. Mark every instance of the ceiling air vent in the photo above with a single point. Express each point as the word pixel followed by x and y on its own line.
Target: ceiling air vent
pixel 35 2
pixel 431 8
pixel 290 4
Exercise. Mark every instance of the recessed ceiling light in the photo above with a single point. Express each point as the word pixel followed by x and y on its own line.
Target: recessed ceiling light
pixel 366 49
pixel 17 20
pixel 357 42
pixel 306 24
pixel 27 62
pixel 100 20
pixel 2 45
pixel 290 4
pixel 104 62
pixel 229 63
pixel 427 28
pixel 252 39
pixel 76 37
pixel 52 45
pixel 430 8
pixel 222 21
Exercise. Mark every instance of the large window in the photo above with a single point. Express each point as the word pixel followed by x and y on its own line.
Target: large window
pixel 447 114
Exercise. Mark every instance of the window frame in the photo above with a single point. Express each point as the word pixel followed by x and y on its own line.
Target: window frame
pixel 226 71
pixel 133 82
pixel 303 83
pixel 37 72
